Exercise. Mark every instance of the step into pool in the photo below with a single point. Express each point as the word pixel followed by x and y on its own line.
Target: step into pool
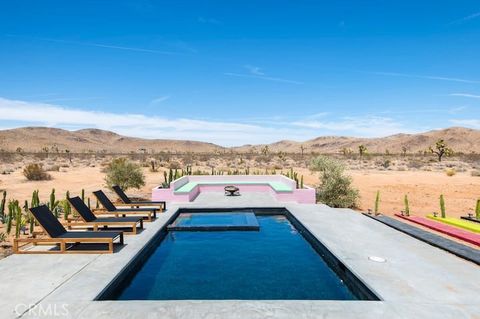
pixel 280 261
pixel 221 221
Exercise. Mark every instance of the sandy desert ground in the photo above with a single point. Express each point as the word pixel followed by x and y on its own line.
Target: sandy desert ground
pixel 422 187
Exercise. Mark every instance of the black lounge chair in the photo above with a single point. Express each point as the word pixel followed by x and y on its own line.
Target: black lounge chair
pixel 90 219
pixel 127 201
pixel 147 213
pixel 59 235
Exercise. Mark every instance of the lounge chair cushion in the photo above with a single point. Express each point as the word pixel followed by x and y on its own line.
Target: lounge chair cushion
pixel 90 234
pixel 118 219
pixel 119 191
pixel 82 209
pixel 103 199
pixel 48 221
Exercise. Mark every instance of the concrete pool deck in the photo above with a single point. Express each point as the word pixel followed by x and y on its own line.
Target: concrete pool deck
pixel 416 281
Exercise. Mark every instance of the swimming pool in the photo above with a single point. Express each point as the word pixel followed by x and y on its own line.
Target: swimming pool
pixel 277 262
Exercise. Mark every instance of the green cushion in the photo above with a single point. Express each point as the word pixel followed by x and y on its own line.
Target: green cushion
pixel 277 186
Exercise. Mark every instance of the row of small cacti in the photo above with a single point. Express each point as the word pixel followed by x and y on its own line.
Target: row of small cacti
pixel 173 174
pixel 18 217
pixel 294 175
pixel 406 203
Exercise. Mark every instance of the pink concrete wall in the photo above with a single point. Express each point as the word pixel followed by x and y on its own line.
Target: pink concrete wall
pixel 304 196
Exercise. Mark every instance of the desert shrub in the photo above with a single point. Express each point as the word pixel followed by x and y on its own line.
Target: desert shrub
pixel 385 163
pixel 475 173
pixel 335 188
pixel 124 173
pixel 415 164
pixel 450 171
pixel 52 168
pixel 175 165
pixel 35 172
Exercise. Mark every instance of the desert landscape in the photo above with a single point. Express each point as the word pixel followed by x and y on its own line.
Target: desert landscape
pixel 76 161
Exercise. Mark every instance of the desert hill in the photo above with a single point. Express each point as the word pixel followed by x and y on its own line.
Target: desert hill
pixel 459 138
pixel 34 139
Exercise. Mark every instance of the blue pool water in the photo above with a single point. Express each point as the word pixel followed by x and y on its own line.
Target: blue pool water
pixel 273 263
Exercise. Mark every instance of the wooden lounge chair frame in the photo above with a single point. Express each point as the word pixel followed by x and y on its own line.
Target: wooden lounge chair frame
pixel 149 214
pixel 128 202
pixel 55 230
pixel 90 220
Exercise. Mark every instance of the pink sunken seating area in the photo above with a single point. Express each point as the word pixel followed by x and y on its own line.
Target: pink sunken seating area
pixel 187 188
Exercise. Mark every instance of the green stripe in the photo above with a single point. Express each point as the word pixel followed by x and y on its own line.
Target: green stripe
pixel 465 224
pixel 277 186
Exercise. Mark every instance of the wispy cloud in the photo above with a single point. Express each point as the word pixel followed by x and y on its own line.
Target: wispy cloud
pixel 473 96
pixel 208 20
pixel 466 18
pixel 367 126
pixel 471 123
pixel 255 70
pixel 160 99
pixel 261 77
pixel 224 132
pixel 70 99
pixel 426 77
pixel 103 45
pixel 140 125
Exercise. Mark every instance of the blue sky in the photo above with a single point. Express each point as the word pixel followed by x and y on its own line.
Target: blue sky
pixel 238 72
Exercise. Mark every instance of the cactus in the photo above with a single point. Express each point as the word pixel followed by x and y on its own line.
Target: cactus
pixel 165 183
pixel 442 206
pixel 301 182
pixel 477 209
pixel 67 208
pixel 10 216
pixel 19 220
pixel 377 202
pixel 30 219
pixel 152 164
pixel 88 202
pixel 407 205
pixel 53 203
pixel 82 196
pixel 2 207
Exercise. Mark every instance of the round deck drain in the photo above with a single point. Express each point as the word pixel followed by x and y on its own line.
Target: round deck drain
pixel 377 259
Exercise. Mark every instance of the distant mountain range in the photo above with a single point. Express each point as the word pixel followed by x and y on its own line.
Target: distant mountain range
pixel 33 139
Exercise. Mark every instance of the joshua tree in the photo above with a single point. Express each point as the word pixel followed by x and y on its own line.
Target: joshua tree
pixel 346 151
pixel 69 155
pixel 45 149
pixel 265 150
pixel 362 150
pixel 302 149
pixel 441 149
pixel 404 150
